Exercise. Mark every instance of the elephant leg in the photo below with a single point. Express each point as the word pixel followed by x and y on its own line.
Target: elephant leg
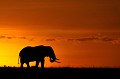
pixel 37 63
pixel 21 65
pixel 28 66
pixel 42 64
pixel 21 61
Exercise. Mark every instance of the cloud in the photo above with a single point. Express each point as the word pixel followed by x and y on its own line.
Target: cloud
pixel 117 41
pixel 6 37
pixel 22 37
pixel 84 39
pixel 103 38
pixel 13 37
pixel 9 37
pixel 108 39
pixel 32 39
pixel 91 37
pixel 50 39
pixel 2 36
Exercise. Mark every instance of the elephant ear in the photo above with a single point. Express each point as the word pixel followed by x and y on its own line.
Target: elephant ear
pixel 47 51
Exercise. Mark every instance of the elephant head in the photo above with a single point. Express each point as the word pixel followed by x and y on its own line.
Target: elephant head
pixel 51 54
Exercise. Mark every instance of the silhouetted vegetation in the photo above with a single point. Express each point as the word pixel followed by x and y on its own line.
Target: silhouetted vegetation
pixel 59 73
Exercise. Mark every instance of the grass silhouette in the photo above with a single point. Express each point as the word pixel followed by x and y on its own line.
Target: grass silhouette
pixel 59 73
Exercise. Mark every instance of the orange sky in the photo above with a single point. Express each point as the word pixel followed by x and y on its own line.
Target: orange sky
pixel 60 14
pixel 66 26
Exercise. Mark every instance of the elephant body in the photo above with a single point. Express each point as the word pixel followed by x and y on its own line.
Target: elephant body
pixel 36 53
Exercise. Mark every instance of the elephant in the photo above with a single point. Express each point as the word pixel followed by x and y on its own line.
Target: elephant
pixel 38 54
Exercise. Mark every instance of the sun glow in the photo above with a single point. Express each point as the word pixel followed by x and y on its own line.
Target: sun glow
pixel 11 44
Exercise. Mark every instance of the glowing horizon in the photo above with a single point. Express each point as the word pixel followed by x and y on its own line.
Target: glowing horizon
pixel 65 47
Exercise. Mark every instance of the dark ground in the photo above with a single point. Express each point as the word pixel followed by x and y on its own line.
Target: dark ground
pixel 59 73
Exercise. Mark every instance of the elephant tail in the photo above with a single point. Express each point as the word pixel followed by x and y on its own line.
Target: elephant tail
pixel 18 59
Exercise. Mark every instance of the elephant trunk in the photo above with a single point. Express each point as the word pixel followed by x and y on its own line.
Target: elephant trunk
pixel 52 56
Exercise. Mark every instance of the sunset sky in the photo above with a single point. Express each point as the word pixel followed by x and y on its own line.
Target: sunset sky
pixel 83 33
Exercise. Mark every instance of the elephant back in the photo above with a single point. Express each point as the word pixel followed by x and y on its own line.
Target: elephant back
pixel 32 51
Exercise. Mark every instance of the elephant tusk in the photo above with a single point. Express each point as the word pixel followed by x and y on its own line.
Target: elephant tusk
pixel 58 62
pixel 57 59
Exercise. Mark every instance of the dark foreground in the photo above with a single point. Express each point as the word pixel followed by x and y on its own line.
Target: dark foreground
pixel 59 73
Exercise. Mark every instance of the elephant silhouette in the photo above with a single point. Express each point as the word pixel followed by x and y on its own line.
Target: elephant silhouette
pixel 36 53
